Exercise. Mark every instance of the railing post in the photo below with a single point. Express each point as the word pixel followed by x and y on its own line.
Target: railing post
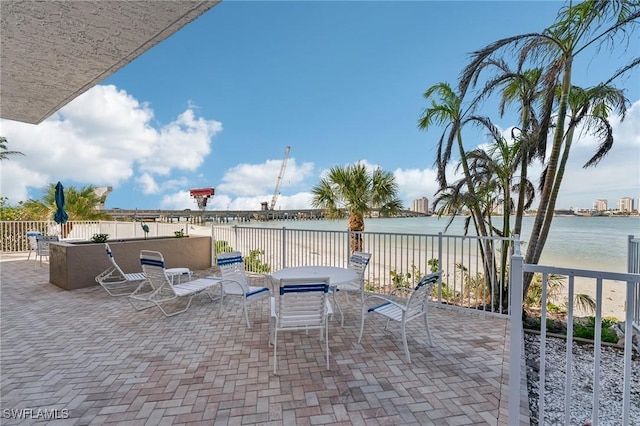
pixel 284 247
pixel 515 350
pixel 440 266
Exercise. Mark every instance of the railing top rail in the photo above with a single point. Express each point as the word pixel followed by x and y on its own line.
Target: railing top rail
pixel 462 237
pixel 587 273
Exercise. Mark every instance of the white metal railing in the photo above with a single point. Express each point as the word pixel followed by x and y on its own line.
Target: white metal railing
pixel 518 269
pixel 398 260
pixel 13 234
pixel 633 266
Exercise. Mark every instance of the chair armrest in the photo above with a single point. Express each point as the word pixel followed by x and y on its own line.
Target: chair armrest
pixel 233 283
pixel 382 299
pixel 263 277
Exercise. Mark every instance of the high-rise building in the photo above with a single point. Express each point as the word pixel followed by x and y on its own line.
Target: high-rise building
pixel 600 205
pixel 420 205
pixel 625 205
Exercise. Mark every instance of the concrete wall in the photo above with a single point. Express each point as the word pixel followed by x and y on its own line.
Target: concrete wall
pixel 75 265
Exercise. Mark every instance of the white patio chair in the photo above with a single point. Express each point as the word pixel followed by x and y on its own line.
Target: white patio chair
pixel 235 282
pixel 115 281
pixel 33 244
pixel 163 291
pixel 301 305
pixel 357 262
pixel 404 311
pixel 42 246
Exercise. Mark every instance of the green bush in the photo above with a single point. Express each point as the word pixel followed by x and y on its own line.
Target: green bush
pixel 253 262
pixel 586 331
pixel 223 246
pixel 99 238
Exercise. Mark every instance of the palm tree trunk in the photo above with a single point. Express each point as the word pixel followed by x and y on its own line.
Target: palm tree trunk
pixel 555 192
pixel 547 197
pixel 524 165
pixel 356 226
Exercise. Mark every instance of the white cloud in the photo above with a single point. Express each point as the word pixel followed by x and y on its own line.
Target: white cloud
pixel 148 184
pixel 416 183
pixel 256 179
pixel 616 176
pixel 102 138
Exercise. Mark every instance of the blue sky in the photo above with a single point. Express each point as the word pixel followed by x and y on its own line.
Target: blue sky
pixel 339 82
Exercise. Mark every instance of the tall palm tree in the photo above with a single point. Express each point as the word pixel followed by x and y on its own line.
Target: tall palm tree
pixel 4 151
pixel 494 170
pixel 447 109
pixel 522 88
pixel 577 28
pixel 354 192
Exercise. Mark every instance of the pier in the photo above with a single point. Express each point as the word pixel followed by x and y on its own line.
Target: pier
pixel 223 216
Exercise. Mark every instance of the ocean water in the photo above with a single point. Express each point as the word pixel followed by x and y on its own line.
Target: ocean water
pixel 597 243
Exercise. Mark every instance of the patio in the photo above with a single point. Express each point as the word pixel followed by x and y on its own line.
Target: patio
pixel 104 362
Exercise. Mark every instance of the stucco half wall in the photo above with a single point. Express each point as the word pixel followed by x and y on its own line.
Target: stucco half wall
pixel 75 265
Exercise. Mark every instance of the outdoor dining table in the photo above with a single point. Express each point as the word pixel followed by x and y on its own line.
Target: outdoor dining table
pixel 335 274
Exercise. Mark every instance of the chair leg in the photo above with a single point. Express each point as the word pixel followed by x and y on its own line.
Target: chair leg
pixel 335 302
pixel 221 303
pixel 158 304
pixel 426 325
pixel 246 313
pixel 361 324
pixel 275 349
pixel 326 339
pixel 404 341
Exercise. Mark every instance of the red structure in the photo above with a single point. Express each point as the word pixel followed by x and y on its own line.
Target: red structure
pixel 201 195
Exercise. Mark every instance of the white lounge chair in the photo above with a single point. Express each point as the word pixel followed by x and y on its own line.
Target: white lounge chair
pixel 235 282
pixel 301 304
pixel 115 281
pixel 357 262
pixel 400 311
pixel 163 291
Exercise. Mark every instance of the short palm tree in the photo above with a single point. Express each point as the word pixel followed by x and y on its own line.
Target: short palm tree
pixel 353 191
pixel 80 204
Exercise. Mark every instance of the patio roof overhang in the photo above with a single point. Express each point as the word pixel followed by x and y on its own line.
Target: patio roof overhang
pixel 53 51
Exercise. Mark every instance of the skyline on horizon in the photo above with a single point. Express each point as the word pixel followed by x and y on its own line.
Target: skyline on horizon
pixel 339 83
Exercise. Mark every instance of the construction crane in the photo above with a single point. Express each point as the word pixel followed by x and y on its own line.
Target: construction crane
pixel 276 192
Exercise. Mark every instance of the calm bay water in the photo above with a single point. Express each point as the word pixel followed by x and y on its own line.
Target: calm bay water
pixel 598 243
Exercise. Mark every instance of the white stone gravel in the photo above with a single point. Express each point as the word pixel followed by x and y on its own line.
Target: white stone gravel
pixel 611 383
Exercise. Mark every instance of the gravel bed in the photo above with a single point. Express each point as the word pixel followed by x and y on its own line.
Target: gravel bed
pixel 611 376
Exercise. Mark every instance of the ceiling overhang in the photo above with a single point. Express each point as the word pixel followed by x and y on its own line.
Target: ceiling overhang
pixel 53 51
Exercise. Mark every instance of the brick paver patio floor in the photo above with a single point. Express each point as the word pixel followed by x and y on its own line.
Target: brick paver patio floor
pixel 99 361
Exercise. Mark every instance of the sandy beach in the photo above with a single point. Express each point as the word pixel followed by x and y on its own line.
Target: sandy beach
pixel 403 255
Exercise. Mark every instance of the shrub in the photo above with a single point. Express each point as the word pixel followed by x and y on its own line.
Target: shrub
pixel 253 262
pixel 223 246
pixel 99 238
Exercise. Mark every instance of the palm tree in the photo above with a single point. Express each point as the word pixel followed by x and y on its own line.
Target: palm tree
pixel 523 88
pixel 577 28
pixel 446 109
pixel 494 171
pixel 354 192
pixel 4 152
pixel 80 204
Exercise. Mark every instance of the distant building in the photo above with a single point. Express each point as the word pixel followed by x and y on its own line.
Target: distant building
pixel 420 205
pixel 600 205
pixel 625 205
